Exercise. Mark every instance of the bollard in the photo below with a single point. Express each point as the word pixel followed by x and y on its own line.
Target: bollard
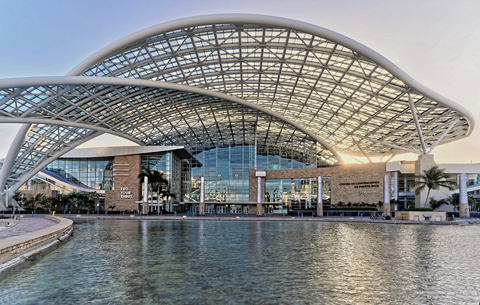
pixel 32 213
pixel 69 213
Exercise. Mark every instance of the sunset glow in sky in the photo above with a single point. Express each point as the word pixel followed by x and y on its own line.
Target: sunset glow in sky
pixel 435 42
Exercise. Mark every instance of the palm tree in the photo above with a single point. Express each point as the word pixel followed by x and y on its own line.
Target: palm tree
pixel 454 199
pixel 170 196
pixel 92 200
pixel 146 173
pixel 157 181
pixel 40 200
pixel 433 177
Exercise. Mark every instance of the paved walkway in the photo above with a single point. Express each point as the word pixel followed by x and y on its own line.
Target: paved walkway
pixel 26 225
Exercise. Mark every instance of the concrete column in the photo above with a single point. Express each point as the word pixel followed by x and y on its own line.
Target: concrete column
pixel 145 195
pixel 319 197
pixel 425 162
pixel 395 189
pixel 386 196
pixel 463 209
pixel 201 204
pixel 259 197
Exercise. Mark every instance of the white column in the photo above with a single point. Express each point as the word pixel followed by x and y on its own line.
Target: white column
pixel 395 185
pixel 145 195
pixel 463 206
pixel 259 190
pixel 319 197
pixel 386 196
pixel 201 204
pixel 259 197
pixel 202 189
pixel 463 189
pixel 395 189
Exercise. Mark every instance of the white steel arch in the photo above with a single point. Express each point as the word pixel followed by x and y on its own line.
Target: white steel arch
pixel 296 78
pixel 70 108
pixel 340 89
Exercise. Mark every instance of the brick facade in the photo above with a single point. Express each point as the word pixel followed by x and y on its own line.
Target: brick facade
pixel 348 181
pixel 126 184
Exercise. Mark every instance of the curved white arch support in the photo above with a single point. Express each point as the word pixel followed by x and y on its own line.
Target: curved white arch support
pixel 139 38
pixel 417 123
pixel 25 177
pixel 30 120
pixel 12 155
pixel 82 80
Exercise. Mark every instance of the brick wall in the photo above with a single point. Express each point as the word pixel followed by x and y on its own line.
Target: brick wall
pixel 346 181
pixel 125 171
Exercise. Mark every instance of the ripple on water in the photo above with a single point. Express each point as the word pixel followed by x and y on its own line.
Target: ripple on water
pixel 221 262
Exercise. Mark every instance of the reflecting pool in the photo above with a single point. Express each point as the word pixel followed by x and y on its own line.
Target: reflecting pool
pixel 257 262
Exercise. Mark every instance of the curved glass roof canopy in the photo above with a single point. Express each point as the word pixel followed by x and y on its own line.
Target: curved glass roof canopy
pixel 213 81
pixel 145 112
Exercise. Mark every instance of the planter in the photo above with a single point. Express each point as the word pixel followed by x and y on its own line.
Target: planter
pixel 421 216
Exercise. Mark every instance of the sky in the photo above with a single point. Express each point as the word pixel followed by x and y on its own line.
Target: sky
pixel 436 42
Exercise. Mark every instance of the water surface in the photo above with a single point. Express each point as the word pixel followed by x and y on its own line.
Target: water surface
pixel 222 262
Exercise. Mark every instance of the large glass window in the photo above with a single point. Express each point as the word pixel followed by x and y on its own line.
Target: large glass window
pixel 170 165
pixel 94 173
pixel 297 193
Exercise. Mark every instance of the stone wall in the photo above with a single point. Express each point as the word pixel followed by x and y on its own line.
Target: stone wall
pixel 16 245
pixel 126 184
pixel 350 182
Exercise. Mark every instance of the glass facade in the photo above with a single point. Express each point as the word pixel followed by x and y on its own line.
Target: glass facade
pixel 226 174
pixel 296 193
pixel 94 173
pixel 226 169
pixel 169 164
pixel 40 182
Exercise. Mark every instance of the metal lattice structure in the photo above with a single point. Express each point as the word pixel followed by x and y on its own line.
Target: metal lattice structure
pixel 145 112
pixel 210 81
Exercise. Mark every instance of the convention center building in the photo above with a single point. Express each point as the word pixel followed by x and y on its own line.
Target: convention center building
pixel 243 114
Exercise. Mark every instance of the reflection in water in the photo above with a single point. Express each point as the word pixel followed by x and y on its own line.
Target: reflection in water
pixel 217 262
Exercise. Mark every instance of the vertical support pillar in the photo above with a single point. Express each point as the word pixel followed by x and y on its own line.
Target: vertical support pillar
pixel 386 196
pixel 145 196
pixel 319 197
pixel 201 204
pixel 12 154
pixel 463 209
pixel 395 189
pixel 259 197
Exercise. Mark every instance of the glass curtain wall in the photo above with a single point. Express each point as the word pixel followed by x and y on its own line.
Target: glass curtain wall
pixel 226 169
pixel 40 182
pixel 296 193
pixel 226 174
pixel 94 173
pixel 169 164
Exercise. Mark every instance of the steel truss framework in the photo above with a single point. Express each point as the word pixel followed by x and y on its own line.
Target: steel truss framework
pixel 146 112
pixel 286 80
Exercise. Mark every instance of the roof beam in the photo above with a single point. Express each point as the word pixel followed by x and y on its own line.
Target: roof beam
pixel 417 123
